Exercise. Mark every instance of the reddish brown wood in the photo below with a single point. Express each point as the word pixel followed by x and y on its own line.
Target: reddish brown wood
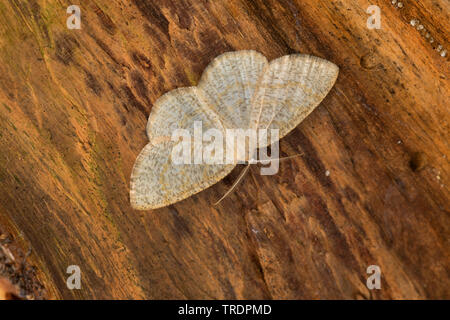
pixel 73 110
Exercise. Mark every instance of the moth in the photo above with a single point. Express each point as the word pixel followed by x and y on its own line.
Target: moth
pixel 238 89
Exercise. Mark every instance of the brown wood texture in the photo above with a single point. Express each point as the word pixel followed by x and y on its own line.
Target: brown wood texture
pixel 372 187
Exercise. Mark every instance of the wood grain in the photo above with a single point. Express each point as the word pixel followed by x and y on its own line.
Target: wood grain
pixel 73 110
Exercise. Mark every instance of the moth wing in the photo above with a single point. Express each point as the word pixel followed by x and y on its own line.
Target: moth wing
pixel 229 83
pixel 157 180
pixel 290 88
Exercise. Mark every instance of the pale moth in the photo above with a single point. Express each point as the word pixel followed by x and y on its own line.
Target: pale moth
pixel 238 89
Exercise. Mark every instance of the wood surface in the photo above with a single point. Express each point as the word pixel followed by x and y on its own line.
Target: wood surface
pixel 372 186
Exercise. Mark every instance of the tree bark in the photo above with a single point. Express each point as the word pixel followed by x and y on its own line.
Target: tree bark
pixel 372 186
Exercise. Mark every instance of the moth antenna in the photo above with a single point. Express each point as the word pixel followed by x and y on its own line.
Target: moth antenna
pixel 241 176
pixel 284 158
pixel 244 172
